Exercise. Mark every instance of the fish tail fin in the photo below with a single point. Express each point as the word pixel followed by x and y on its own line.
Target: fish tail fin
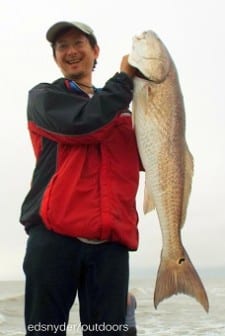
pixel 179 277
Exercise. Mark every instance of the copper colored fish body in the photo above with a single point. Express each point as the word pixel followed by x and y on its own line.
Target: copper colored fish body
pixel 159 121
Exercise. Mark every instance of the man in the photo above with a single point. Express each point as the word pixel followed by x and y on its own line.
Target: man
pixel 130 316
pixel 80 211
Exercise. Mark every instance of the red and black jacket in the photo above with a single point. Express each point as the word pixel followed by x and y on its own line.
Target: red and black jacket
pixel 87 164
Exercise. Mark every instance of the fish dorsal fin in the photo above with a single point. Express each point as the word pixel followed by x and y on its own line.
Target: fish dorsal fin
pixel 149 204
pixel 189 168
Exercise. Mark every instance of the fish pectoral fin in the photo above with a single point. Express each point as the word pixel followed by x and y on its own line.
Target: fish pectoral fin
pixel 179 276
pixel 149 204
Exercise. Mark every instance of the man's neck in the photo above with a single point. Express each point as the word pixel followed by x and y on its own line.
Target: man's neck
pixel 89 89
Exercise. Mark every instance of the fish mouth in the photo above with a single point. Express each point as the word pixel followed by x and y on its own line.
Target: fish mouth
pixel 141 36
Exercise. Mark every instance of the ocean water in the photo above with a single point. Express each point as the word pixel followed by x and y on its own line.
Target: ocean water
pixel 178 315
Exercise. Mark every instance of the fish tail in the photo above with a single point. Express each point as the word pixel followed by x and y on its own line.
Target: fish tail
pixel 179 277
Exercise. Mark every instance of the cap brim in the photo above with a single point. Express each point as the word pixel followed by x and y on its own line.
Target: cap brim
pixel 54 30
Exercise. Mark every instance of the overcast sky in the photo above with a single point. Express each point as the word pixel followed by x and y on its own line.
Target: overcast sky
pixel 194 33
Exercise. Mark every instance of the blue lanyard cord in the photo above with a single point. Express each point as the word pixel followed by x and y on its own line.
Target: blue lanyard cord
pixel 72 86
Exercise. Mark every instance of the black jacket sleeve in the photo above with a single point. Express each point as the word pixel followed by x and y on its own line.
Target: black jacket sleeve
pixel 55 112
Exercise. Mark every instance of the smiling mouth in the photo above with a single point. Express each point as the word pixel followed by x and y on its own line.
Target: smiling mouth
pixel 74 61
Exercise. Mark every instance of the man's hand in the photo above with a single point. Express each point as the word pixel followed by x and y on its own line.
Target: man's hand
pixel 127 68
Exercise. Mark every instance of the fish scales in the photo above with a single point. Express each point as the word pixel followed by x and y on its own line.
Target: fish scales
pixel 159 122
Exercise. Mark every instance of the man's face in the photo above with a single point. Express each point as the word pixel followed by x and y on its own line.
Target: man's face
pixel 74 55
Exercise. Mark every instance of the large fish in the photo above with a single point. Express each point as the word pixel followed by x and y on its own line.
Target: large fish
pixel 159 121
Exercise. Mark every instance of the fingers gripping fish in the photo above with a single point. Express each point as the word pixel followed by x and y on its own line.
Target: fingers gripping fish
pixel 159 121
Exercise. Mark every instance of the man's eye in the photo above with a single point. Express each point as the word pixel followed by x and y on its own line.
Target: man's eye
pixel 79 43
pixel 62 46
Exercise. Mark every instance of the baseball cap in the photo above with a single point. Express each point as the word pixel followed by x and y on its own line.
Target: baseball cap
pixel 55 29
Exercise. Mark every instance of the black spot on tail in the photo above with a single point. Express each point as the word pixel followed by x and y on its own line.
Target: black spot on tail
pixel 181 261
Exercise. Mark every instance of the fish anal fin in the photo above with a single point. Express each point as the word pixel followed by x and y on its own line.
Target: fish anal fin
pixel 189 168
pixel 176 277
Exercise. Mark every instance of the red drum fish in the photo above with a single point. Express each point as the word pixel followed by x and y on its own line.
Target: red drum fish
pixel 159 122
